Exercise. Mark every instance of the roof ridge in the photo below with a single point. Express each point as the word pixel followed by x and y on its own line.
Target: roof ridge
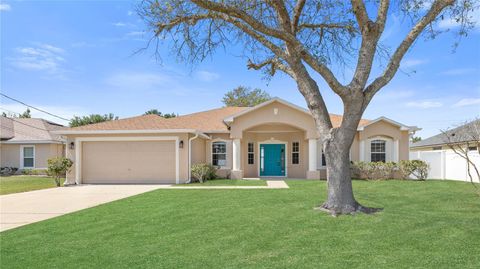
pixel 210 110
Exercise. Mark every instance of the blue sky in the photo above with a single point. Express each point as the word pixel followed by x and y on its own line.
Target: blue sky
pixel 77 57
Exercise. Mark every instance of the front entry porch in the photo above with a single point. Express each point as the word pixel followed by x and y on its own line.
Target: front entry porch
pixel 274 150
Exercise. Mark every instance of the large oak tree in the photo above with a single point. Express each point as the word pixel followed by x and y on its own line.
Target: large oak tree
pixel 302 39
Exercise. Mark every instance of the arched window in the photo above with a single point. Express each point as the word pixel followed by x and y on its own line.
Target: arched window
pixel 377 151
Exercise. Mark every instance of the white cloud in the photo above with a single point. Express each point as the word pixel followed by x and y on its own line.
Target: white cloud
pixel 449 23
pixel 206 76
pixel 459 71
pixel 412 62
pixel 424 104
pixel 123 24
pixel 467 102
pixel 5 7
pixel 130 13
pixel 63 111
pixel 43 57
pixel 135 33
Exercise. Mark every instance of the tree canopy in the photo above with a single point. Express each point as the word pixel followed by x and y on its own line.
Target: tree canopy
pixel 26 114
pixel 245 96
pixel 155 111
pixel 307 40
pixel 93 118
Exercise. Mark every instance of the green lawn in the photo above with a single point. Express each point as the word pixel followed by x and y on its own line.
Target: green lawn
pixel 14 184
pixel 433 224
pixel 228 182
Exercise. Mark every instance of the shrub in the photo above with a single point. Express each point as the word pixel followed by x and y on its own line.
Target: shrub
pixel 27 171
pixel 373 170
pixel 421 169
pixel 8 171
pixel 417 168
pixel 58 167
pixel 202 172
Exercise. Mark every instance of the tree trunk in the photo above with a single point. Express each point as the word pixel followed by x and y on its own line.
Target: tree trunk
pixel 340 198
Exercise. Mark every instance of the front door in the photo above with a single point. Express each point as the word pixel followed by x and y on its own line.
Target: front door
pixel 272 160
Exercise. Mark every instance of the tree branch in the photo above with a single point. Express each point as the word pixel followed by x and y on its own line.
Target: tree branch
pixel 274 63
pixel 360 13
pixel 392 67
pixel 297 13
pixel 242 15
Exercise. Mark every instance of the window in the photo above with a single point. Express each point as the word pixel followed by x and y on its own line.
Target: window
pixel 28 154
pixel 219 153
pixel 295 153
pixel 437 148
pixel 472 148
pixel 250 153
pixel 377 151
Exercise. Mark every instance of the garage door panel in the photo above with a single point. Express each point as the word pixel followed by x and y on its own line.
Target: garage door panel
pixel 128 162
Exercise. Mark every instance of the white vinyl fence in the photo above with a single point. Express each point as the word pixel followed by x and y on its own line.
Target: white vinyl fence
pixel 445 164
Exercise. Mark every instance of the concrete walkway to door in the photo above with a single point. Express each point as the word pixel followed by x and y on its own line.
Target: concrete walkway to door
pixel 20 209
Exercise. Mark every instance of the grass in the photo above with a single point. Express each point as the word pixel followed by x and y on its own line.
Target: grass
pixel 432 224
pixel 228 182
pixel 14 184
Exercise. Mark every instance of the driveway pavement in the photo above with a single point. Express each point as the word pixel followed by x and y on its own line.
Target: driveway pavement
pixel 20 209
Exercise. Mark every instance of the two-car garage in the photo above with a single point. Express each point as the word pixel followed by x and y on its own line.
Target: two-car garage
pixel 127 160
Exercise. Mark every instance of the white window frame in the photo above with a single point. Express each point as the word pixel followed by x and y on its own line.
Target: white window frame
pixel 226 151
pixel 378 152
pixel 22 157
pixel 250 152
pixel 297 151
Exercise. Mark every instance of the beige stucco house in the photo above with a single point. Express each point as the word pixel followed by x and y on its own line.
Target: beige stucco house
pixel 273 139
pixel 29 143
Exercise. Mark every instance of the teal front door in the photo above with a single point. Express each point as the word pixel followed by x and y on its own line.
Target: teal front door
pixel 272 160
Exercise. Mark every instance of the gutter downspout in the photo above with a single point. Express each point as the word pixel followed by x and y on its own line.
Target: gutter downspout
pixel 190 157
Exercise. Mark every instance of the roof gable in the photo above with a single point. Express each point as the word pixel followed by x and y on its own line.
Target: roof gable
pixel 402 127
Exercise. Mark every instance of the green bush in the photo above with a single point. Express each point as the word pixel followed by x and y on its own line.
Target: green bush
pixel 58 168
pixel 416 168
pixel 202 172
pixel 374 170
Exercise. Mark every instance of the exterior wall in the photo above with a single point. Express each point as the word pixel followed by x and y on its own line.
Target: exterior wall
pixel 199 146
pixel 274 113
pixel 183 152
pixel 10 154
pixel 385 130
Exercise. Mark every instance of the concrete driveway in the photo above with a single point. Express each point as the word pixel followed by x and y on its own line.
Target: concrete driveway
pixel 20 209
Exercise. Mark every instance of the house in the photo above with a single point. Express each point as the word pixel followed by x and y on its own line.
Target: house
pixel 27 143
pixel 444 162
pixel 273 139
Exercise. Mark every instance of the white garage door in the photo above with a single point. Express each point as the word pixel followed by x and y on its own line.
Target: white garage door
pixel 128 162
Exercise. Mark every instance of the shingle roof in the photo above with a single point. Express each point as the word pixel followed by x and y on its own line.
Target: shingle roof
pixel 31 129
pixel 457 135
pixel 209 121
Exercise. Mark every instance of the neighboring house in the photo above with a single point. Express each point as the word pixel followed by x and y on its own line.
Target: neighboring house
pixel 444 163
pixel 273 139
pixel 29 143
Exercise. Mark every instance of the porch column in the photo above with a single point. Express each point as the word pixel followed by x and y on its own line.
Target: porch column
pixel 396 151
pixel 312 172
pixel 312 154
pixel 237 172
